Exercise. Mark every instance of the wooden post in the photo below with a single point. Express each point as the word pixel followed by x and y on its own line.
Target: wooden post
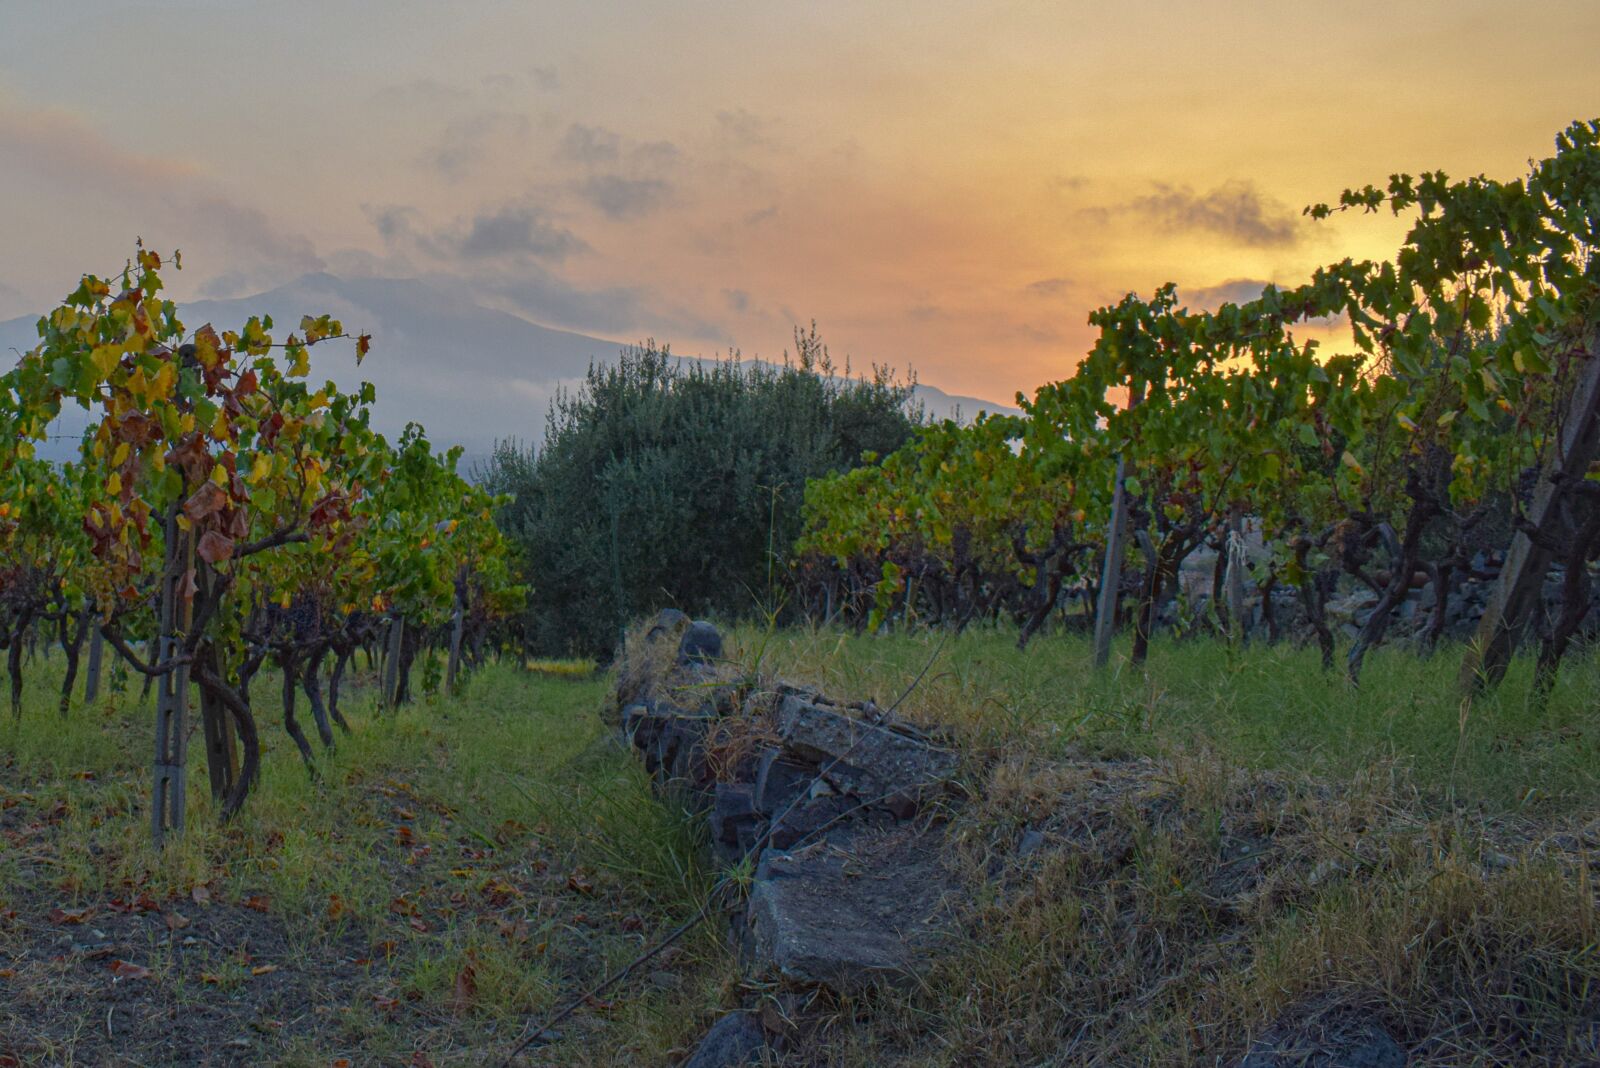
pixel 391 662
pixel 91 679
pixel 1235 576
pixel 172 695
pixel 1522 578
pixel 1111 575
pixel 457 625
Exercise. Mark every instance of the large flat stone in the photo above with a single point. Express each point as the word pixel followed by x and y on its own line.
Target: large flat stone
pixel 850 911
pixel 859 757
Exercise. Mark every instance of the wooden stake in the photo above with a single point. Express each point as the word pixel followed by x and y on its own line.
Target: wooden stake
pixel 1111 575
pixel 172 697
pixel 1521 582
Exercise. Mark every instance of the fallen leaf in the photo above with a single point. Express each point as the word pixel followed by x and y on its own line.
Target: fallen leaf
pixel 419 925
pixel 264 969
pixel 387 1004
pixel 176 921
pixel 336 906
pixel 70 915
pixel 578 883
pixel 465 990
pixel 214 980
pixel 258 902
pixel 201 895
pixel 124 970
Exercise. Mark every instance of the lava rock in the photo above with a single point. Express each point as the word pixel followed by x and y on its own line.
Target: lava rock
pixel 1351 1042
pixel 840 912
pixel 734 1040
pixel 701 644
pixel 862 758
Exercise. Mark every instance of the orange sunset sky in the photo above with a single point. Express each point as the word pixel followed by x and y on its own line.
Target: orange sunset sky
pixel 947 185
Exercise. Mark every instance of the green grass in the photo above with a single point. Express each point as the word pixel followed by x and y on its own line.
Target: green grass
pixel 1267 707
pixel 456 871
pixel 473 863
pixel 1427 862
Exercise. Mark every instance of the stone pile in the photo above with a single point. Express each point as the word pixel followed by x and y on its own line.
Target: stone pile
pixel 838 813
pixel 831 805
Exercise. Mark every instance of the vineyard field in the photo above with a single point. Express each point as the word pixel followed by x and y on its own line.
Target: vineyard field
pixel 459 865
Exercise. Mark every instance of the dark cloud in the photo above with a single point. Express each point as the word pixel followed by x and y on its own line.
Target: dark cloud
pixel 517 232
pixel 1243 291
pixel 1235 210
pixel 512 232
pixel 925 312
pixel 591 145
pixel 1233 291
pixel 761 215
pixel 392 221
pixel 420 92
pixel 653 155
pixel 544 77
pixel 744 129
pixel 265 253
pixel 468 140
pixel 548 298
pixel 1039 335
pixel 736 299
pixel 624 198
pixel 1049 287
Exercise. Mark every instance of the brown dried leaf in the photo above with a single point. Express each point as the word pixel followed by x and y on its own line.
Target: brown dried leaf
pixel 209 499
pixel 214 548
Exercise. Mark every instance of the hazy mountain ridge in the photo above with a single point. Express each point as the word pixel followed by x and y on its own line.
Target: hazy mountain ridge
pixel 470 374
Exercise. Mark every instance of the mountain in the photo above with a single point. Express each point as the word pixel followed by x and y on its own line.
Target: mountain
pixel 471 375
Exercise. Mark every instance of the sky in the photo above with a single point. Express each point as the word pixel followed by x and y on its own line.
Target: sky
pixel 942 185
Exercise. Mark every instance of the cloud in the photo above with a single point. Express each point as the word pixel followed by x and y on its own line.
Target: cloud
pixel 61 144
pixel 517 232
pixel 1233 291
pixel 737 300
pixel 12 302
pixel 544 77
pixel 654 155
pixel 420 92
pixel 1235 210
pixel 760 215
pixel 548 298
pixel 1243 291
pixel 591 145
pixel 743 129
pixel 466 141
pixel 394 222
pixel 510 232
pixel 1048 287
pixel 623 198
